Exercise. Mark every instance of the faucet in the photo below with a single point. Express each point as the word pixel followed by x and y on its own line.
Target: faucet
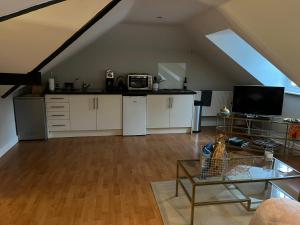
pixel 85 86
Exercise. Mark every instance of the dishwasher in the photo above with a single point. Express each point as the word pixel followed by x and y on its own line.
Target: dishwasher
pixel 134 115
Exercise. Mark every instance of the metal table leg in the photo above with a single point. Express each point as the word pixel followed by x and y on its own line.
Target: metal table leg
pixel 177 179
pixel 193 205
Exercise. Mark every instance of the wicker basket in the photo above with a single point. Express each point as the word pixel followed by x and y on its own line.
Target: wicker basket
pixel 228 166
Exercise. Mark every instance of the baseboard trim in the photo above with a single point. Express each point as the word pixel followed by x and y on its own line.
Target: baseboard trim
pixel 8 146
pixel 169 130
pixel 64 134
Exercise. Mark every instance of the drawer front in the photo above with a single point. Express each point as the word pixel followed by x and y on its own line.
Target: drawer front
pixel 57 98
pixel 58 107
pixel 58 115
pixel 58 125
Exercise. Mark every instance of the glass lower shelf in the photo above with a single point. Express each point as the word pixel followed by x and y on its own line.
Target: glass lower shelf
pixel 250 195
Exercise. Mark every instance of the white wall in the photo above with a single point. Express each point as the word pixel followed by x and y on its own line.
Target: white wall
pixel 132 48
pixel 8 137
pixel 291 106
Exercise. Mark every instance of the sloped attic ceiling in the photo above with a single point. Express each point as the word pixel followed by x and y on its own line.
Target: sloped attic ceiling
pixel 26 40
pixel 272 27
pixel 269 26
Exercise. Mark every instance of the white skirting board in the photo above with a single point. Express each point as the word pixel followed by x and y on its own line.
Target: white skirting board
pixel 4 149
pixel 63 134
pixel 169 131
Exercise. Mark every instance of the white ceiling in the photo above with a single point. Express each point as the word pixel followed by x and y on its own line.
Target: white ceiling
pixel 172 11
pixel 11 6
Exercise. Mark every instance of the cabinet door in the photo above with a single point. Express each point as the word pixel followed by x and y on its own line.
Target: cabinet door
pixel 181 111
pixel 109 112
pixel 158 111
pixel 83 112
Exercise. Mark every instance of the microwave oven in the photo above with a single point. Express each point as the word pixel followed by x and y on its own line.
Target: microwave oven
pixel 139 82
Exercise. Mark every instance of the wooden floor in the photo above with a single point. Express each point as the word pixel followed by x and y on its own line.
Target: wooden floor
pixel 89 181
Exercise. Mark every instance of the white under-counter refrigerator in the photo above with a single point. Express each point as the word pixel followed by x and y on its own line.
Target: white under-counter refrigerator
pixel 134 115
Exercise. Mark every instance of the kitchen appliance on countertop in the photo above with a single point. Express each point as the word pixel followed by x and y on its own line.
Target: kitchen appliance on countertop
pixel 109 80
pixel 51 84
pixel 139 82
pixel 134 115
pixel 121 83
pixel 68 86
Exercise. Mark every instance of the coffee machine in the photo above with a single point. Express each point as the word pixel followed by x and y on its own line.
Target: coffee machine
pixel 109 80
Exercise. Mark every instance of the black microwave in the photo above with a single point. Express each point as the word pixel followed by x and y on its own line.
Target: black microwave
pixel 139 82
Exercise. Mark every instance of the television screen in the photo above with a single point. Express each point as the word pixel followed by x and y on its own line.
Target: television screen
pixel 258 100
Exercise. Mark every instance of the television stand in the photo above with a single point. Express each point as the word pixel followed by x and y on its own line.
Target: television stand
pixel 249 129
pixel 258 117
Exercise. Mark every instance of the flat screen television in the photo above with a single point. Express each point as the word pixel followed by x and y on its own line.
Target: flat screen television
pixel 258 100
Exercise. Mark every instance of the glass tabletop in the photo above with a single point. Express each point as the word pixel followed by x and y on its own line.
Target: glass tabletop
pixel 238 170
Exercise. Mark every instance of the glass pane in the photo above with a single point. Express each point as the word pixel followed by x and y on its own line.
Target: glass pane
pixel 251 60
pixel 237 169
pixel 173 73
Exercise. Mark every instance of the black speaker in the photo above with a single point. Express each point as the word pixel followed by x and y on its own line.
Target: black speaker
pixel 206 97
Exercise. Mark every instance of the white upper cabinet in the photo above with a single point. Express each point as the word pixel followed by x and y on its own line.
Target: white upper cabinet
pixel 181 110
pixel 109 112
pixel 158 111
pixel 83 112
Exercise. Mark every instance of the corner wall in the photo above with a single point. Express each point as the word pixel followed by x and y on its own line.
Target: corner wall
pixel 8 137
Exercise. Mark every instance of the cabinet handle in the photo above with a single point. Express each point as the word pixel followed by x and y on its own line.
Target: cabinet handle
pixel 171 102
pixel 97 101
pixel 57 107
pixel 58 125
pixel 57 115
pixel 94 107
pixel 57 98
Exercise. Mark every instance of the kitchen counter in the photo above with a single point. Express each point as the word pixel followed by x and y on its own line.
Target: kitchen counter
pixel 125 93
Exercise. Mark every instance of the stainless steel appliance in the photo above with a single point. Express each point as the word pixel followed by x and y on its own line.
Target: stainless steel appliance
pixel 109 80
pixel 197 116
pixel 30 117
pixel 139 82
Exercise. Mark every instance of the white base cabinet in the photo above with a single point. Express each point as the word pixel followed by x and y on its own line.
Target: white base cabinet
pixel 109 112
pixel 77 115
pixel 158 111
pixel 92 112
pixel 83 112
pixel 169 111
pixel 181 111
pixel 97 115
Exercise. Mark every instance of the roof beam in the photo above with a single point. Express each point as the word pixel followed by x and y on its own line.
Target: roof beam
pixel 20 79
pixel 30 9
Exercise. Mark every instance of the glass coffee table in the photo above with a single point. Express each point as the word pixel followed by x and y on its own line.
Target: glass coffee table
pixel 246 180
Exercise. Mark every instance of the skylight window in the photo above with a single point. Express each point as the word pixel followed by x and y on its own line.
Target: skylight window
pixel 251 60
